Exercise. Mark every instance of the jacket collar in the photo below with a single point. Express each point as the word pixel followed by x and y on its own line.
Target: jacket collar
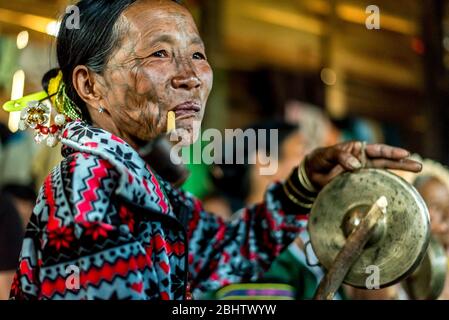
pixel 138 184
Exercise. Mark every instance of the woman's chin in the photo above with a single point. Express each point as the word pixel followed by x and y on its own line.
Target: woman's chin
pixel 184 136
pixel 188 130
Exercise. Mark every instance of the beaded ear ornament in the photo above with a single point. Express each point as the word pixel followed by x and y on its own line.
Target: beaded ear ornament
pixel 36 114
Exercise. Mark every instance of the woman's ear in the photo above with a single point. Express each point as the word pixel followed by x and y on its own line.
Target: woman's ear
pixel 85 85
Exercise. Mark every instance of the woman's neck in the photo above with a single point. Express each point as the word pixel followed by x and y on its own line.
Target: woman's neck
pixel 110 127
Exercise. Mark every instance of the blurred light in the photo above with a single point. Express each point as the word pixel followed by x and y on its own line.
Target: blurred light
pixel 418 46
pixel 317 6
pixel 18 84
pixel 22 39
pixel 30 21
pixel 292 20
pixel 328 76
pixel 446 43
pixel 52 28
pixel 336 103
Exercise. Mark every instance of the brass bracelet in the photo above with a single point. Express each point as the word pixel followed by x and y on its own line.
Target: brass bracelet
pixel 301 179
pixel 305 179
pixel 298 192
pixel 296 201
pixel 308 185
pixel 303 182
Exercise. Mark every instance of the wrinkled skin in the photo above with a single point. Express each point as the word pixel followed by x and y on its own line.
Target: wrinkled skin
pixel 324 164
pixel 159 64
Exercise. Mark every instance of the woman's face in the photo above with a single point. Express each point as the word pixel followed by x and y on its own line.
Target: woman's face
pixel 436 196
pixel 160 66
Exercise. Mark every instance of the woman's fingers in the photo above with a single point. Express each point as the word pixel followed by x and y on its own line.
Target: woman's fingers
pixel 349 161
pixel 323 160
pixel 323 164
pixel 405 164
pixel 386 157
pixel 378 156
pixel 387 152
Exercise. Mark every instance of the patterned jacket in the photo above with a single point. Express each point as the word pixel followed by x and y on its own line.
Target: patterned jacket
pixel 106 227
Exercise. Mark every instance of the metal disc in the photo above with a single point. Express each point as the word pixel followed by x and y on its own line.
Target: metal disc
pixel 427 282
pixel 401 237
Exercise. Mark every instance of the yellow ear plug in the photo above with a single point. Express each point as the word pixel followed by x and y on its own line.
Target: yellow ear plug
pixel 171 121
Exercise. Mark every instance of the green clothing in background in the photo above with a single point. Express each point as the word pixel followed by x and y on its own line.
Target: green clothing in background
pixel 287 269
pixel 291 268
pixel 198 183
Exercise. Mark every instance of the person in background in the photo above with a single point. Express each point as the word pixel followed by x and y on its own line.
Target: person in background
pixel 16 152
pixel 240 185
pixel 433 185
pixel 16 206
pixel 316 126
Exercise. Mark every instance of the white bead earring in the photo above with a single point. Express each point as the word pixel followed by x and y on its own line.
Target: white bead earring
pixel 101 109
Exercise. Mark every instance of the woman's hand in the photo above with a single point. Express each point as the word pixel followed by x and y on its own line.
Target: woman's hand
pixel 324 164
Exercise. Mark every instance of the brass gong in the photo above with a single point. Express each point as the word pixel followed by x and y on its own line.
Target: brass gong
pixel 427 282
pixel 400 238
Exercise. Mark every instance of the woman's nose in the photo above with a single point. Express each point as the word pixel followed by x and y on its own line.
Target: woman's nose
pixel 186 82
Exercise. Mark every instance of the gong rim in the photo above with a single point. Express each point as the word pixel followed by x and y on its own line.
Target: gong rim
pixel 427 282
pixel 407 215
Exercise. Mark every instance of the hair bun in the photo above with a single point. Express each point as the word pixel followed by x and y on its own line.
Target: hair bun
pixel 52 73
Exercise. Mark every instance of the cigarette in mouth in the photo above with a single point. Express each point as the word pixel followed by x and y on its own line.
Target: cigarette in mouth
pixel 171 121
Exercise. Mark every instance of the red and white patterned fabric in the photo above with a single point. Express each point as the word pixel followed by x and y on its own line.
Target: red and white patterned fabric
pixel 130 235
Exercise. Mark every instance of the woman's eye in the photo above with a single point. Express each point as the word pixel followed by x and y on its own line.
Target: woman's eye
pixel 160 54
pixel 199 56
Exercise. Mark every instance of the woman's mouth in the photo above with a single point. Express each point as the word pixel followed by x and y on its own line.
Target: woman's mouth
pixel 186 109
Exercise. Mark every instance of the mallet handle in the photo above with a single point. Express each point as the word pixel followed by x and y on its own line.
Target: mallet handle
pixel 350 253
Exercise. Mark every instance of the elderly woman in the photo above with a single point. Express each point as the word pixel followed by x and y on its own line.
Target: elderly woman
pixel 105 226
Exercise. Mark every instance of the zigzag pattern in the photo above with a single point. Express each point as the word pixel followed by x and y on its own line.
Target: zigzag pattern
pixel 93 277
pixel 96 260
pixel 96 177
pixel 53 221
pixel 55 259
pixel 105 245
pixel 122 288
pixel 161 244
pixel 103 291
pixel 161 202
